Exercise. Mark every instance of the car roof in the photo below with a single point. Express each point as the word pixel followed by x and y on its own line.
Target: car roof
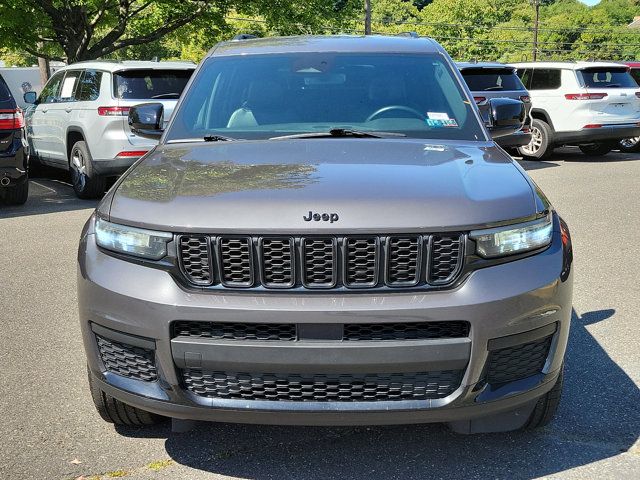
pixel 465 65
pixel 327 43
pixel 118 65
pixel 578 65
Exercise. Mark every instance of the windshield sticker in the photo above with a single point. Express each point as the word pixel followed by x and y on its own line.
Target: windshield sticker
pixel 441 123
pixel 438 115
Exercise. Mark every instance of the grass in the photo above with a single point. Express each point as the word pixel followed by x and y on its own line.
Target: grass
pixel 159 465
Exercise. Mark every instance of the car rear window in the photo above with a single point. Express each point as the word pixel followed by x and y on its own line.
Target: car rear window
pixel 491 79
pixel 5 94
pixel 635 73
pixel 609 77
pixel 150 84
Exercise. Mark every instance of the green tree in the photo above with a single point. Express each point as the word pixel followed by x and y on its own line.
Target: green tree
pixel 73 30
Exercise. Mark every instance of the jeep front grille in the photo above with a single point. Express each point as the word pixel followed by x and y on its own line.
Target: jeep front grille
pixel 317 262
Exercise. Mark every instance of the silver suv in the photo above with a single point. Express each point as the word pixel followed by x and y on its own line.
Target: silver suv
pixel 326 234
pixel 79 120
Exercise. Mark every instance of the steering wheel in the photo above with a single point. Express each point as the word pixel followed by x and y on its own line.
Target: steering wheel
pixel 388 108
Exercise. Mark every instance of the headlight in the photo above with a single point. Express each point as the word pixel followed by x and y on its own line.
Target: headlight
pixel 512 239
pixel 131 240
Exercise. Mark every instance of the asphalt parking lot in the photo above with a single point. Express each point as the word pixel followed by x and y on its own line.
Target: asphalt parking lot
pixel 50 430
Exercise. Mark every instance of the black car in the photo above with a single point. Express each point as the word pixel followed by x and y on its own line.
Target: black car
pixel 14 156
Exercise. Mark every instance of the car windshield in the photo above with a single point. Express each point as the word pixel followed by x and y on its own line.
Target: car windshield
pixel 150 84
pixel 488 79
pixel 610 77
pixel 266 96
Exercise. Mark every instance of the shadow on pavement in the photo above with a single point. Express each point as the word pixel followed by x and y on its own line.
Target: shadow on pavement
pixel 574 155
pixel 535 164
pixel 49 192
pixel 598 419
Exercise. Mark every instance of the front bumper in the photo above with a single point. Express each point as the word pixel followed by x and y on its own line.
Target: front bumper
pixel 510 304
pixel 113 166
pixel 518 139
pixel 613 133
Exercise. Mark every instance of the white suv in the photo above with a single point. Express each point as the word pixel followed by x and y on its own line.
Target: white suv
pixel 79 121
pixel 590 104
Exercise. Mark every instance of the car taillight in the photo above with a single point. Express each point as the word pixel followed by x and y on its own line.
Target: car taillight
pixel 585 96
pixel 479 99
pixel 525 98
pixel 113 111
pixel 11 119
pixel 132 153
pixel 593 125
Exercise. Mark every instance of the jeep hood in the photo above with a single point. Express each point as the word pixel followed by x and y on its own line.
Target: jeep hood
pixel 376 185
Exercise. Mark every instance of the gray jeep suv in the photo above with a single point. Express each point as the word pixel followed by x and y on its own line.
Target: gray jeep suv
pixel 326 234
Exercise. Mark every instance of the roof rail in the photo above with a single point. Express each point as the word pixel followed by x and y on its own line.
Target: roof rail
pixel 244 36
pixel 408 34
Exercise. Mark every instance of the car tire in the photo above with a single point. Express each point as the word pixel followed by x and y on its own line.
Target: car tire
pixel 86 182
pixel 541 145
pixel 630 145
pixel 596 149
pixel 547 406
pixel 114 411
pixel 17 194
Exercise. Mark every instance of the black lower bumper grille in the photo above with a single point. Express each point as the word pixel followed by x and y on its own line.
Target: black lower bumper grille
pixel 236 330
pixel 520 361
pixel 405 331
pixel 322 388
pixel 126 360
pixel 351 332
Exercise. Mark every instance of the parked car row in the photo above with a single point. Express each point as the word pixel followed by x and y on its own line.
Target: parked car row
pixel 79 120
pixel 592 105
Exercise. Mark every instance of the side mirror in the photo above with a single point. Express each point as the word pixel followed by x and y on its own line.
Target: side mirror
pixel 506 116
pixel 30 97
pixel 145 120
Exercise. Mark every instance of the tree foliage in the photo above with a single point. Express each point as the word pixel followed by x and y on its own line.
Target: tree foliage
pixel 503 29
pixel 72 30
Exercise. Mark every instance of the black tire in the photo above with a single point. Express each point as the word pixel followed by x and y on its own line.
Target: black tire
pixel 547 406
pixel 596 149
pixel 630 145
pixel 114 411
pixel 86 182
pixel 541 145
pixel 17 194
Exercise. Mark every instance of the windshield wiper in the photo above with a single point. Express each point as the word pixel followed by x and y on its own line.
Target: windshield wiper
pixel 218 138
pixel 340 132
pixel 489 89
pixel 612 85
pixel 167 95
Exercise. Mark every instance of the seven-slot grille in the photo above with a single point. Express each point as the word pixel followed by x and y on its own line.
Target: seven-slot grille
pixel 316 262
